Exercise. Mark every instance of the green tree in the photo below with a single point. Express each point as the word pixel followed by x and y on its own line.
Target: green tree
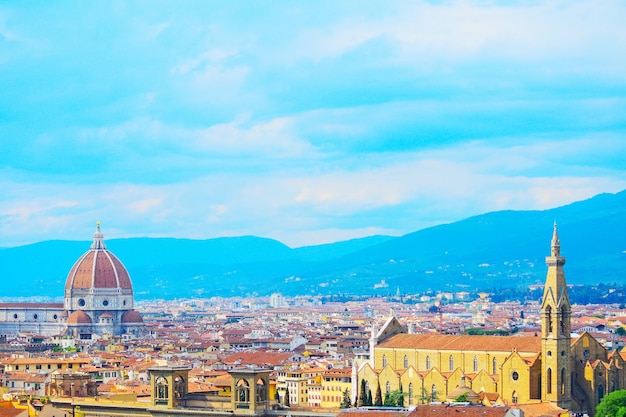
pixel 362 395
pixel 620 331
pixel 388 402
pixel 346 403
pixel 287 402
pixel 424 396
pixel 400 397
pixel 612 405
pixel 369 397
pixel 461 398
pixel 378 399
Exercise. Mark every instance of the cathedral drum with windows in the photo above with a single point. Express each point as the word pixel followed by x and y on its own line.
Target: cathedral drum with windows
pixel 553 369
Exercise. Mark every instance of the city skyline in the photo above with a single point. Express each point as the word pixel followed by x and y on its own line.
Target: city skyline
pixel 306 123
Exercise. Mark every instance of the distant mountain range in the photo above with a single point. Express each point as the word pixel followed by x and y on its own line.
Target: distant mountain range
pixel 495 250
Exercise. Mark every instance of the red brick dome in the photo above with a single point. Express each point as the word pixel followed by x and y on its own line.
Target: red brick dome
pixel 98 268
pixel 131 316
pixel 79 317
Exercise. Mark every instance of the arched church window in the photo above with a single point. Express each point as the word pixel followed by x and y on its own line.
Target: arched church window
pixel 387 387
pixel 427 362
pixel 242 391
pixel 411 393
pixel 563 320
pixel 549 318
pixel 475 364
pixel 179 387
pixel 160 388
pixel 562 381
pixel 406 362
pixel 494 366
pixel 600 392
pixel 261 391
pixel 514 397
pixel 549 381
pixel 433 393
pixel 451 363
pixel 384 360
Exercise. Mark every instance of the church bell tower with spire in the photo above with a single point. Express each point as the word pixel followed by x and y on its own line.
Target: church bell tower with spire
pixel 555 331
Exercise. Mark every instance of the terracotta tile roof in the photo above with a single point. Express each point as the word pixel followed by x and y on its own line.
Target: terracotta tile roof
pixel 491 396
pixel 12 412
pixel 463 342
pixel 31 361
pixel 465 411
pixel 99 269
pixel 258 358
pixel 360 412
pixel 26 377
pixel 338 372
pixel 541 410
pixel 32 305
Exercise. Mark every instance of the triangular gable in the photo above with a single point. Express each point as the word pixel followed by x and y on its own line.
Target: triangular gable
pixel 391 327
pixel 616 358
pixel 586 340
pixel 482 381
pixel 549 296
pixel 388 373
pixel 515 357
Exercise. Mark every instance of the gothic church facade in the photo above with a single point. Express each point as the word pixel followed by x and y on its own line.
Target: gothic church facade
pixel 553 368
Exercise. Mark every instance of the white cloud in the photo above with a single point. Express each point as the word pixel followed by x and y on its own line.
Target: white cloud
pixel 230 126
pixel 461 31
pixel 275 138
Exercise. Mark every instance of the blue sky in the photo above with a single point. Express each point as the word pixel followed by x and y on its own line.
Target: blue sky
pixel 307 122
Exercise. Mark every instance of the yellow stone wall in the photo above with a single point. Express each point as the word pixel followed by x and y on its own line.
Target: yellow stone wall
pixel 516 365
pixel 332 391
pixel 419 359
pixel 442 381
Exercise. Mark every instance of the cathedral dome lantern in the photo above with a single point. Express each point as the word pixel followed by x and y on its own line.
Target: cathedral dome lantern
pixel 97 269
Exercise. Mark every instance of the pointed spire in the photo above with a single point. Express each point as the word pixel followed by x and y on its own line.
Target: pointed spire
pixel 556 244
pixel 98 238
